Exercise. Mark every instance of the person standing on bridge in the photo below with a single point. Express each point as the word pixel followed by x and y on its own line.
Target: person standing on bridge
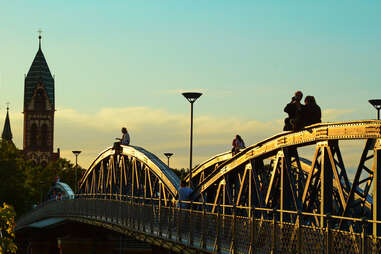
pixel 184 194
pixel 125 140
pixel 294 111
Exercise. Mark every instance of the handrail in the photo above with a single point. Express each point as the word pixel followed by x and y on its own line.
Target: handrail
pixel 260 233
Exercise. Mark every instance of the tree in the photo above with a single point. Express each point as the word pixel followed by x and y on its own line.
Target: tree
pixel 22 184
pixel 7 229
pixel 13 177
pixel 40 179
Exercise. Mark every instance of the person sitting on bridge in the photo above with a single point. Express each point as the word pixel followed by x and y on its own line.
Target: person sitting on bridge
pixel 184 194
pixel 125 140
pixel 294 111
pixel 237 144
pixel 311 111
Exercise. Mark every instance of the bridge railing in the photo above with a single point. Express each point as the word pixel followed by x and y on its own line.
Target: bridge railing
pixel 197 228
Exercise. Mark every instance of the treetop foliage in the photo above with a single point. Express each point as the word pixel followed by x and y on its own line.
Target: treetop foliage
pixel 22 184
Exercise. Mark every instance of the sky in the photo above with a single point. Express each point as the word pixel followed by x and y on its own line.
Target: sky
pixel 125 63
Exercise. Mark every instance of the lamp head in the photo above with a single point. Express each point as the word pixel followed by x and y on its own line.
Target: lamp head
pixel 376 103
pixel 192 96
pixel 76 153
pixel 168 154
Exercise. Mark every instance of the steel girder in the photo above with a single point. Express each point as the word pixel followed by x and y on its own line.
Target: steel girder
pixel 203 170
pixel 290 182
pixel 130 171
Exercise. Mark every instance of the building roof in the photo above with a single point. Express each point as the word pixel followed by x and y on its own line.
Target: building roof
pixel 38 73
pixel 7 133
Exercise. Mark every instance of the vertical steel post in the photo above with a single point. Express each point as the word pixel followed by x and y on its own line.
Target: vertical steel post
pixel 152 216
pixel 159 215
pixel 190 224
pixel 299 232
pixel 329 235
pixel 283 186
pixel 179 222
pixel 217 246
pixel 326 182
pixel 143 215
pixel 251 219
pixel 170 218
pixel 377 188
pixel 364 245
pixel 203 227
pixel 273 250
pixel 232 248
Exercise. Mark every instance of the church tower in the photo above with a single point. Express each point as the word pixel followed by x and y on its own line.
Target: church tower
pixel 39 111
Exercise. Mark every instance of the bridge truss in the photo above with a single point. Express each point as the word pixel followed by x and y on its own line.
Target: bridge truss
pixel 272 174
pixel 129 171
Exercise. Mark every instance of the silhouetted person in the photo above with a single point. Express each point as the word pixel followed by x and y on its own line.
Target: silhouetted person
pixel 311 111
pixel 184 194
pixel 294 111
pixel 237 144
pixel 125 140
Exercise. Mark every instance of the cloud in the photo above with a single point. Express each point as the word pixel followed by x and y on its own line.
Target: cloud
pixel 156 130
pixel 159 131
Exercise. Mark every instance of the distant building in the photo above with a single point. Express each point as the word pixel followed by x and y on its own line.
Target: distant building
pixel 39 108
pixel 7 132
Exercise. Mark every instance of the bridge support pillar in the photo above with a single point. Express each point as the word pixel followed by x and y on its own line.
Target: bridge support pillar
pixel 377 188
pixel 326 182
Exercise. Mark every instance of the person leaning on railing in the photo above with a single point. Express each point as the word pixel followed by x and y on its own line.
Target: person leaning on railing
pixel 184 195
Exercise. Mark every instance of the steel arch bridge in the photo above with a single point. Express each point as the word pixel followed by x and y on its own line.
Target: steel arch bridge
pixel 265 197
pixel 129 171
pixel 271 174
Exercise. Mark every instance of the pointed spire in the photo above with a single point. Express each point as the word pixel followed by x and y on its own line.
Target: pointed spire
pixel 38 73
pixel 7 133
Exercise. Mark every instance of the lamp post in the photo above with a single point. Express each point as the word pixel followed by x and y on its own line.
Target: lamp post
pixel 41 196
pixel 377 105
pixel 76 153
pixel 168 156
pixel 191 97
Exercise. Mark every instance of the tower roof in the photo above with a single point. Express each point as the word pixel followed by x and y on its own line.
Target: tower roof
pixel 39 73
pixel 7 133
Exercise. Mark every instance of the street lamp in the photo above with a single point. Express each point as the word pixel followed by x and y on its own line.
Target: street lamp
pixel 377 105
pixel 168 156
pixel 41 195
pixel 76 153
pixel 191 97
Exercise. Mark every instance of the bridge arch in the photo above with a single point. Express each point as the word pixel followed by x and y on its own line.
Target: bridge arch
pixel 129 171
pixel 271 174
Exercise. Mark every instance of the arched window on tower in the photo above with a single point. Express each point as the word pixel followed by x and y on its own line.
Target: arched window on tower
pixel 44 137
pixel 40 100
pixel 33 136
